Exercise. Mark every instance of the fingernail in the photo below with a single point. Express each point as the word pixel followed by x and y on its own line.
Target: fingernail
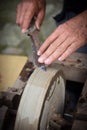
pixel 37 26
pixel 38 53
pixel 23 30
pixel 40 60
pixel 60 59
pixel 47 61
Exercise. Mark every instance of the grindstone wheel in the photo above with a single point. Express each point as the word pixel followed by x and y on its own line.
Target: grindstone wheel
pixel 43 96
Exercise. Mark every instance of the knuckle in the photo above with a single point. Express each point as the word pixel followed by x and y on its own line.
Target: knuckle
pixel 70 50
pixel 51 46
pixel 59 50
pixel 25 25
pixel 47 53
pixel 60 26
pixel 65 28
pixel 54 56
pixel 26 18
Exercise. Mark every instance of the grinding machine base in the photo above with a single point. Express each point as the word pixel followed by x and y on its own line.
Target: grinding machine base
pixel 37 99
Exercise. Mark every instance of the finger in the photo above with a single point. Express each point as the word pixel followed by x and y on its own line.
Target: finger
pixel 18 13
pixel 27 18
pixel 49 40
pixel 40 18
pixel 23 11
pixel 69 51
pixel 75 44
pixel 53 47
pixel 60 50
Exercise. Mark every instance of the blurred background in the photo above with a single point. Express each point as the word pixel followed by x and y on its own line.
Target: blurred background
pixel 12 41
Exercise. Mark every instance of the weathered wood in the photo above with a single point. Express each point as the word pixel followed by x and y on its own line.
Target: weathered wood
pixel 43 95
pixel 22 79
pixel 74 67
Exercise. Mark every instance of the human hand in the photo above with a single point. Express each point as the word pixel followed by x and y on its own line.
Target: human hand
pixel 26 10
pixel 66 39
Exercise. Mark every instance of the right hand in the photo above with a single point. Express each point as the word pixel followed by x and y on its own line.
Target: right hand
pixel 65 40
pixel 26 10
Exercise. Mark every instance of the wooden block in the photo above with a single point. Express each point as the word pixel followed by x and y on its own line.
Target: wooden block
pixel 74 67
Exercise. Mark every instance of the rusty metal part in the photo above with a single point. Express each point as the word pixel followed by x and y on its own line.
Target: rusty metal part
pixel 7 97
pixel 81 116
pixel 9 100
pixel 35 48
pixel 27 71
pixel 81 111
pixel 8 108
pixel 59 123
pixel 22 79
pixel 54 126
pixel 33 33
pixel 60 120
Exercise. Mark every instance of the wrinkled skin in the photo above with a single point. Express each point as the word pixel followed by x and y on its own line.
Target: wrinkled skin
pixel 26 10
pixel 66 39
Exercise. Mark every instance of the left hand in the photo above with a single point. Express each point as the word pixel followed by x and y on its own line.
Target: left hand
pixel 26 10
pixel 66 39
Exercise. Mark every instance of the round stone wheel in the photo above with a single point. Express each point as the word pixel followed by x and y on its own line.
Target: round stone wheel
pixel 43 96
